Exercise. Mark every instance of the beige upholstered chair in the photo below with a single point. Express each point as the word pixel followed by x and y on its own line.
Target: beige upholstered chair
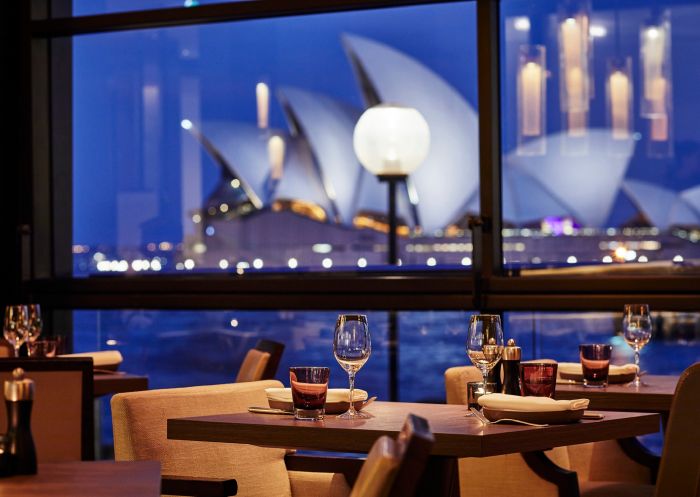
pixel 394 467
pixel 139 423
pixel 6 349
pixel 679 473
pixel 62 412
pixel 261 362
pixel 599 461
pixel 514 472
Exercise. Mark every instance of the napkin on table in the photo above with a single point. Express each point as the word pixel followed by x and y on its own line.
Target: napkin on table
pixel 334 394
pixel 574 368
pixel 531 404
pixel 100 359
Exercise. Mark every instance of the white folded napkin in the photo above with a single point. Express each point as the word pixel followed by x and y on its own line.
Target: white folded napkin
pixel 333 395
pixel 100 359
pixel 531 404
pixel 574 368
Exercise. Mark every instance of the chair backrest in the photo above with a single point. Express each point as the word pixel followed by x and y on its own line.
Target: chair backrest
pixel 679 473
pixel 394 467
pixel 6 350
pixel 456 380
pixel 139 420
pixel 62 412
pixel 261 362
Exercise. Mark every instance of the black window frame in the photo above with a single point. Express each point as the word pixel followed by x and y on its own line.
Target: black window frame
pixel 38 202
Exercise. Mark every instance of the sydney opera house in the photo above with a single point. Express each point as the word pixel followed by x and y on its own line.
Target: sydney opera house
pixel 284 194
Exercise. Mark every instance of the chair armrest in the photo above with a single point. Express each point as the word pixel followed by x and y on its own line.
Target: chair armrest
pixel 198 487
pixel 634 449
pixel 347 466
pixel 565 480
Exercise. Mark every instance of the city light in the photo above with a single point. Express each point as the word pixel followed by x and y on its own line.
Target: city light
pixel 327 263
pixel 678 258
pixel 431 261
pixel 189 264
pixel 322 248
pixel 643 258
pixel 258 263
pixel 242 265
pixel 292 263
pixel 179 266
pixel 223 264
pixel 361 262
pixel 521 23
pixel 235 183
pixel 597 31
pixel 571 259
pixel 210 231
pixel 607 259
pixel 466 261
pixel 234 323
pixel 111 342
pixel 156 265
pixel 223 208
pixel 186 124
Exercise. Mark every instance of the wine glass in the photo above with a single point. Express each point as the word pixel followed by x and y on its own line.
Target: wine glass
pixel 15 326
pixel 485 342
pixel 351 348
pixel 34 323
pixel 636 328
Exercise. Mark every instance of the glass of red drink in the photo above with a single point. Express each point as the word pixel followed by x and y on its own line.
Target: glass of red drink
pixel 309 389
pixel 595 362
pixel 539 379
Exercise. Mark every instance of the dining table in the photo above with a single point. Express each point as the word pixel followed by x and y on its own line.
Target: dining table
pixel 457 434
pixel 117 382
pixel 86 479
pixel 654 395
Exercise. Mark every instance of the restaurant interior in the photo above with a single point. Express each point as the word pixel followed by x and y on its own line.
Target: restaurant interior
pixel 355 248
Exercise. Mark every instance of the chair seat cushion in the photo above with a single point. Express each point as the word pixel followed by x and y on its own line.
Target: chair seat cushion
pixel 614 489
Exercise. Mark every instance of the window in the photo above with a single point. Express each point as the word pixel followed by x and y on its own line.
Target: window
pixel 601 157
pixel 229 147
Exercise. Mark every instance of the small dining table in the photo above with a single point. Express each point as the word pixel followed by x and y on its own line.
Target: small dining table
pixel 456 434
pixel 655 396
pixel 117 382
pixel 86 479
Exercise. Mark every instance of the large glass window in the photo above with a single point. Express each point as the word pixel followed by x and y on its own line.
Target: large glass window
pixel 601 155
pixel 229 147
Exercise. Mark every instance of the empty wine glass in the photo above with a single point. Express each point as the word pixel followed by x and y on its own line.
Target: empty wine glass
pixel 15 326
pixel 485 342
pixel 636 328
pixel 351 348
pixel 34 323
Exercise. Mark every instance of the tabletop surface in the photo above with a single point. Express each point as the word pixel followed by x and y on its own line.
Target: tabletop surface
pixel 118 382
pixel 455 434
pixel 86 479
pixel 656 396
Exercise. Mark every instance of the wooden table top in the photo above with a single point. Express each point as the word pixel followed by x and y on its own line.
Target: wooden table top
pixel 455 434
pixel 118 382
pixel 656 397
pixel 87 479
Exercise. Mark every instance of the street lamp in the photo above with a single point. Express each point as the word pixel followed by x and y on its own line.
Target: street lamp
pixel 391 141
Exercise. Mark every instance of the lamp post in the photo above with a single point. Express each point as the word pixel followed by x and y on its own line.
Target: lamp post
pixel 391 141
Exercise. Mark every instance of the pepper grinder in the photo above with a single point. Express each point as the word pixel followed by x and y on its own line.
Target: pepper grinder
pixel 511 368
pixel 19 454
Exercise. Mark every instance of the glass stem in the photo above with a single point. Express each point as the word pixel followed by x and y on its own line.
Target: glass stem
pixel 351 378
pixel 636 363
